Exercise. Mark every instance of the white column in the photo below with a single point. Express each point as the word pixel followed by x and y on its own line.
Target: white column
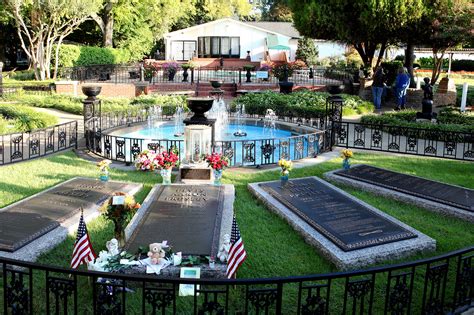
pixel 465 87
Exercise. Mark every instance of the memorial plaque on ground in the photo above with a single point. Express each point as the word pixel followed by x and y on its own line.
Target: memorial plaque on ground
pixel 26 220
pixel 349 224
pixel 187 216
pixel 455 196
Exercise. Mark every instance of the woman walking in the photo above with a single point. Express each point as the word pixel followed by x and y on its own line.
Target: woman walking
pixel 377 87
pixel 401 85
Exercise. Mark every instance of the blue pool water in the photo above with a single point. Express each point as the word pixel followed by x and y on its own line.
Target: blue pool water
pixel 167 132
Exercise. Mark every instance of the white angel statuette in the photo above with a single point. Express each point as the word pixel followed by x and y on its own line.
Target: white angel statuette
pixel 112 247
pixel 224 249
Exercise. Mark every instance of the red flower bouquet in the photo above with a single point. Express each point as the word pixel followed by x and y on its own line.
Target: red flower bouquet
pixel 217 161
pixel 166 160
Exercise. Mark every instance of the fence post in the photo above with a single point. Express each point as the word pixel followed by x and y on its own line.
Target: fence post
pixel 192 75
pixel 1 79
pixel 240 76
pixel 279 298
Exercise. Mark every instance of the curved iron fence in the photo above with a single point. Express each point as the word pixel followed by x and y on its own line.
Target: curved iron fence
pixel 438 285
pixel 22 146
pixel 407 140
pixel 246 152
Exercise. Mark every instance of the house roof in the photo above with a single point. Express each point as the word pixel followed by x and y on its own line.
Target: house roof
pixel 269 27
pixel 283 28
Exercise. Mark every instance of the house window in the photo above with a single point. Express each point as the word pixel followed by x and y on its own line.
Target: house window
pixel 216 47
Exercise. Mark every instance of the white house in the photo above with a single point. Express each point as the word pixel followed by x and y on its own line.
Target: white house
pixel 229 38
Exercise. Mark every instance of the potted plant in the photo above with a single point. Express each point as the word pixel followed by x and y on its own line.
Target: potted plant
pixel 120 211
pixel 149 70
pixel 189 65
pixel 248 68
pixel 170 69
pixel 218 162
pixel 166 161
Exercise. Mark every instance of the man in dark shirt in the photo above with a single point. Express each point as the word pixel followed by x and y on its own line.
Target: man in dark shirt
pixel 378 86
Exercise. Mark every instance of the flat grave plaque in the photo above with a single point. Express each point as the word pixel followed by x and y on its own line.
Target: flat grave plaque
pixel 26 220
pixel 451 195
pixel 187 216
pixel 348 224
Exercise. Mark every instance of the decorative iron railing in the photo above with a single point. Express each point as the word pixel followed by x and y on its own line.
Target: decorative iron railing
pixel 438 285
pixel 22 146
pixel 248 152
pixel 406 140
pixel 131 74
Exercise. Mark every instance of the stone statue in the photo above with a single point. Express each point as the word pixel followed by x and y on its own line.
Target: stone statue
pixel 224 249
pixel 113 247
pixel 428 89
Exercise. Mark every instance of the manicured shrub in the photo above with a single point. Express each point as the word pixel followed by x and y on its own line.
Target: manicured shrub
pixel 305 104
pixel 74 55
pixel 462 65
pixel 23 118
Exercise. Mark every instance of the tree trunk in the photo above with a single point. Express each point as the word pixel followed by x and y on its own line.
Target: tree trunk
pixel 409 58
pixel 437 64
pixel 383 47
pixel 108 30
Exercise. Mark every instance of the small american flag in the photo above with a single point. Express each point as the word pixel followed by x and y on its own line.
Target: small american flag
pixel 83 251
pixel 237 252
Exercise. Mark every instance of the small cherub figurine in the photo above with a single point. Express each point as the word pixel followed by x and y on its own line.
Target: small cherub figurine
pixel 224 249
pixel 112 247
pixel 428 89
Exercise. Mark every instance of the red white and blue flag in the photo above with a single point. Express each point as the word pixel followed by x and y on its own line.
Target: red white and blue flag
pixel 83 251
pixel 237 252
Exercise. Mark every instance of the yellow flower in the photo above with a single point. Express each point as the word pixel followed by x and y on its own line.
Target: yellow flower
pixel 347 154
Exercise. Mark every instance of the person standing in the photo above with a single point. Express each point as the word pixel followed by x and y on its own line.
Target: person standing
pixel 401 85
pixel 377 87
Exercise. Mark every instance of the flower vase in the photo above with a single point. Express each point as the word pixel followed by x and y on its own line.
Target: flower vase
pixel 119 234
pixel 284 178
pixel 166 175
pixel 104 175
pixel 217 177
pixel 346 164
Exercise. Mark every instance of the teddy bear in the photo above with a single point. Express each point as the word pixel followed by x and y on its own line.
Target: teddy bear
pixel 156 253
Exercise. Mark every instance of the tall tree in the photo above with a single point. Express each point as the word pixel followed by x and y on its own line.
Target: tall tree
pixel 366 24
pixel 43 24
pixel 307 51
pixel 274 10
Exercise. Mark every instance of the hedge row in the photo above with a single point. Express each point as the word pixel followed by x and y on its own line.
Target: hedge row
pixel 75 56
pixel 17 118
pixel 448 120
pixel 74 105
pixel 456 64
pixel 305 104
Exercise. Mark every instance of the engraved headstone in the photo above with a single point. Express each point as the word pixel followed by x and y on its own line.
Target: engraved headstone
pixel 451 195
pixel 350 225
pixel 28 219
pixel 187 216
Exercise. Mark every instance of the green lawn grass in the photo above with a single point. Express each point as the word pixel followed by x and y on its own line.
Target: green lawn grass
pixel 273 247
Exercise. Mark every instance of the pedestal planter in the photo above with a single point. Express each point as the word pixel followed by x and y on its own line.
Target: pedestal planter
pixel 249 76
pixel 286 87
pixel 171 76
pixel 185 74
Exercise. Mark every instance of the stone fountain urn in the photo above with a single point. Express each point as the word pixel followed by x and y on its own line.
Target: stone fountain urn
pixel 91 91
pixel 199 106
pixel 335 89
pixel 216 84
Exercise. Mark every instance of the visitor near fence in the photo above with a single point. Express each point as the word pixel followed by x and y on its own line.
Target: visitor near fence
pixel 401 85
pixel 378 86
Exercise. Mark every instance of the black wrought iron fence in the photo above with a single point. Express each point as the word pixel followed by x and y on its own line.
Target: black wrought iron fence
pixel 131 74
pixel 16 147
pixel 438 285
pixel 407 140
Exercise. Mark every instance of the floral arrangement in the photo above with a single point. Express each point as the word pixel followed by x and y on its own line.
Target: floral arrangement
pixel 347 154
pixel 265 67
pixel 286 166
pixel 104 165
pixel 170 67
pixel 150 69
pixel 120 214
pixel 144 161
pixel 217 161
pixel 166 160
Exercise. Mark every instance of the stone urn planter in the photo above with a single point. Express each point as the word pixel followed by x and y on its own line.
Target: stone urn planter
pixel 286 87
pixel 91 91
pixel 334 89
pixel 199 105
pixel 216 84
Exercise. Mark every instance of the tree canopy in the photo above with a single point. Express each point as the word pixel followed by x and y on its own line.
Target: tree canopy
pixel 43 24
pixel 366 24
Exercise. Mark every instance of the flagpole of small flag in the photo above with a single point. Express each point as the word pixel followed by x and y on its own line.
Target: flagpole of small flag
pixel 83 252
